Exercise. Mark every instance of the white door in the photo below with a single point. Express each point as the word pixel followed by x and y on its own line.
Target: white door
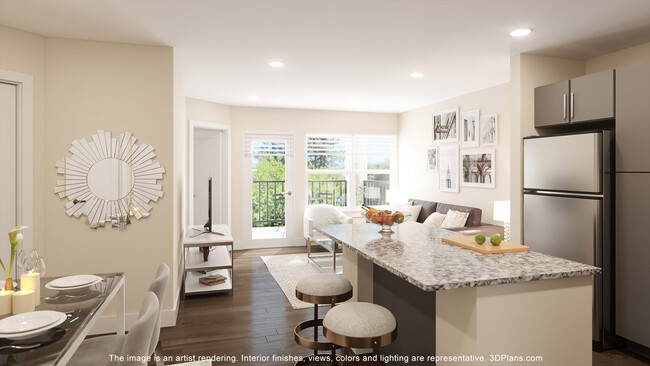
pixel 8 119
pixel 208 163
pixel 268 184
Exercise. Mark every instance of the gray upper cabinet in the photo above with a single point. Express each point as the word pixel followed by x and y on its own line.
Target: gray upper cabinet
pixel 551 102
pixel 633 118
pixel 582 99
pixel 592 97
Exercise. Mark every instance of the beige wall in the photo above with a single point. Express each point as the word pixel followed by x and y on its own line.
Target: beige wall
pixel 200 110
pixel 25 53
pixel 297 121
pixel 415 137
pixel 619 58
pixel 117 87
pixel 180 176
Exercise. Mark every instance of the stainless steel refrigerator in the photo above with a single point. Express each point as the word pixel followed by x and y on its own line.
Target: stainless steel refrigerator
pixel 568 209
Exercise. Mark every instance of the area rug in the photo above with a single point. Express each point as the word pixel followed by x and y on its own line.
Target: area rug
pixel 288 269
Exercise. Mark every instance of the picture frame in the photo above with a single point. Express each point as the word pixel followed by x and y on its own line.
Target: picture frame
pixel 448 174
pixel 489 129
pixel 445 126
pixel 478 168
pixel 432 159
pixel 469 129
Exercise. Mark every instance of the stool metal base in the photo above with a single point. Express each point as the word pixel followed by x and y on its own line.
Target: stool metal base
pixel 312 344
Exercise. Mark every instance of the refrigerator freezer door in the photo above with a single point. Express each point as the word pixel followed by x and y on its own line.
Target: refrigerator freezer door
pixel 562 226
pixel 570 228
pixel 571 163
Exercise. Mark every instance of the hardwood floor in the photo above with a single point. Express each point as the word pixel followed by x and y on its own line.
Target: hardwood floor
pixel 258 320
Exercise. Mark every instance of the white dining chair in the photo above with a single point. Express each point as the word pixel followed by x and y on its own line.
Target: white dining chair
pixel 158 287
pixel 96 351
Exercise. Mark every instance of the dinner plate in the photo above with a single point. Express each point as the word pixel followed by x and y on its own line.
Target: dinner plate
pixel 55 318
pixel 74 281
pixel 28 321
pixel 73 289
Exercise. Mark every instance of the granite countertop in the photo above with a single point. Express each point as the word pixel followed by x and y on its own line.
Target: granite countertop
pixel 417 254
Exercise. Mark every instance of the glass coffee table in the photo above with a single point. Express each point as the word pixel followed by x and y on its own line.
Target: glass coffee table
pixel 332 247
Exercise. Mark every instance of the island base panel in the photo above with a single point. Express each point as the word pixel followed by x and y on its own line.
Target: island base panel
pixel 550 318
pixel 415 312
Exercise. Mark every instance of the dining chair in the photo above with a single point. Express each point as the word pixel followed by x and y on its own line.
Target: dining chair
pixel 96 351
pixel 158 287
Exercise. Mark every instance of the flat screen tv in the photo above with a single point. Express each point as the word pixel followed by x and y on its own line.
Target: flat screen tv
pixel 207 228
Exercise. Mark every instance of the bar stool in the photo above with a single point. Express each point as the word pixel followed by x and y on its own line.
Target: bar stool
pixel 322 288
pixel 360 325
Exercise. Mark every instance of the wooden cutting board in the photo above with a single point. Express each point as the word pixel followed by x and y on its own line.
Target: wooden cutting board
pixel 468 242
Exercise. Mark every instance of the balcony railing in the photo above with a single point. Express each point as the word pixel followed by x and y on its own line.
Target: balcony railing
pixel 268 200
pixel 328 191
pixel 268 203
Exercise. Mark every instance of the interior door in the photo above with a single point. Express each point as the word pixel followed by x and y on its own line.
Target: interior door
pixel 8 119
pixel 268 189
pixel 208 164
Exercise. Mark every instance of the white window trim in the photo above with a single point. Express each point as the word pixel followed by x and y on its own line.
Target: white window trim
pixel 350 171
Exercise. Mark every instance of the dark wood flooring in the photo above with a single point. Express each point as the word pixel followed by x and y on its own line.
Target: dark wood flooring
pixel 258 320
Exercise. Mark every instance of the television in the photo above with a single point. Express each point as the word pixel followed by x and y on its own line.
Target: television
pixel 208 224
pixel 207 228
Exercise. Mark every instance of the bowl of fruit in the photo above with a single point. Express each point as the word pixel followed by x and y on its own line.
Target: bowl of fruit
pixel 384 218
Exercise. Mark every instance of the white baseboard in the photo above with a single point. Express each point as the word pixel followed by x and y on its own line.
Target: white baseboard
pixel 264 244
pixel 107 324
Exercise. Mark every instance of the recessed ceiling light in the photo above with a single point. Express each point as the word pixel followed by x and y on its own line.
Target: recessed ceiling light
pixel 520 32
pixel 417 75
pixel 276 64
pixel 253 97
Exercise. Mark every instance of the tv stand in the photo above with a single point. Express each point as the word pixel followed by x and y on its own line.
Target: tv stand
pixel 220 260
pixel 205 230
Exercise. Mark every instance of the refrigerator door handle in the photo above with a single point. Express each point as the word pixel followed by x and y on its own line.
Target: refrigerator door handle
pixel 564 105
pixel 572 105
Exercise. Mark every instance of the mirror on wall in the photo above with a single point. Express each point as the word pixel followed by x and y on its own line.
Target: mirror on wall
pixel 109 179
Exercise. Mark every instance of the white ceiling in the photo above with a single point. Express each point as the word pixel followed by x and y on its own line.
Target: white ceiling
pixel 342 54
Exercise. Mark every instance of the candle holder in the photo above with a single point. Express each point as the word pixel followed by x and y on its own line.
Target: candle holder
pixel 30 261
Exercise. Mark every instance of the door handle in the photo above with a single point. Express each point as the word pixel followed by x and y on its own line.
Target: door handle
pixel 564 107
pixel 287 193
pixel 572 106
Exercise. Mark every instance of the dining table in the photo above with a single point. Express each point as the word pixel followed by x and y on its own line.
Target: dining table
pixel 82 309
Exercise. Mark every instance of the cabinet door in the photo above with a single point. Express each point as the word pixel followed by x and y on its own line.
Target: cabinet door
pixel 633 117
pixel 632 257
pixel 551 104
pixel 592 97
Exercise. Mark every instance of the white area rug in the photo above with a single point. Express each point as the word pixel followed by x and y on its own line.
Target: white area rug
pixel 288 269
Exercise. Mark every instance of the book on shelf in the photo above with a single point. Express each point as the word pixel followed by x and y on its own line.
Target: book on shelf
pixel 209 282
pixel 212 278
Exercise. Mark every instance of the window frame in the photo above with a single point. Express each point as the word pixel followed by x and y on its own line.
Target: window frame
pixel 350 172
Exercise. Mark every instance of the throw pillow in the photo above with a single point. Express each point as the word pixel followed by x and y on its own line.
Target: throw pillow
pixel 455 219
pixel 435 219
pixel 409 209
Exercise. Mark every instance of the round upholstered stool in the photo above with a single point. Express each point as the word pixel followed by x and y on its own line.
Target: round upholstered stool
pixel 360 325
pixel 317 289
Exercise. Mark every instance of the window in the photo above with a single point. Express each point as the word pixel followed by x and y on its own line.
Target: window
pixel 346 171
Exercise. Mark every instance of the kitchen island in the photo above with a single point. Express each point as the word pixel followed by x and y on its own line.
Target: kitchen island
pixel 454 302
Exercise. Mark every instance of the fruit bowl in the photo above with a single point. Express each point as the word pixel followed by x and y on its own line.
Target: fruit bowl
pixel 386 219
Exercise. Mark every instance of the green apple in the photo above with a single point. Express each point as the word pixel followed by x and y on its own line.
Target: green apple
pixel 495 239
pixel 479 238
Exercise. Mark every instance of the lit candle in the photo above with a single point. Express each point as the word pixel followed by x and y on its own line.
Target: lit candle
pixel 5 301
pixel 23 301
pixel 32 281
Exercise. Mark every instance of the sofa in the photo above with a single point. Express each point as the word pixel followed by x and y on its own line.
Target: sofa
pixel 473 225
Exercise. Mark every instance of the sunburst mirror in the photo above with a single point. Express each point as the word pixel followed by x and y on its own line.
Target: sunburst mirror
pixel 109 179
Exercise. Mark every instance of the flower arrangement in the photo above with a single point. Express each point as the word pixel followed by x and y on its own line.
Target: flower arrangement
pixel 15 237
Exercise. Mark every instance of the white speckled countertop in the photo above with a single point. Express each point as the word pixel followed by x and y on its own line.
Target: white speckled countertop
pixel 417 254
